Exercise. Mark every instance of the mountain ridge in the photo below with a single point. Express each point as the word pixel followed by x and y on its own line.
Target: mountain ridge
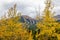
pixel 25 18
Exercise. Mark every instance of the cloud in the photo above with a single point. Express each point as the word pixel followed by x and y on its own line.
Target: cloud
pixel 57 10
pixel 56 3
pixel 27 7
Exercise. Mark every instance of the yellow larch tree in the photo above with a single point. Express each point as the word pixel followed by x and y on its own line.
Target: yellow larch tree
pixel 11 28
pixel 48 24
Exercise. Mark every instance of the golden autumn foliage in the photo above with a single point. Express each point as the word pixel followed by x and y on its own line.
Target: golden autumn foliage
pixel 46 29
pixel 12 29
pixel 48 26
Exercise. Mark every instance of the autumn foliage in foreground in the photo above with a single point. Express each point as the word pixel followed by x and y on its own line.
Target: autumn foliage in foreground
pixel 12 29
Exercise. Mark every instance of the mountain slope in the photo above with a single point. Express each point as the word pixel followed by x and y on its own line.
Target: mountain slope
pixel 28 19
pixel 57 18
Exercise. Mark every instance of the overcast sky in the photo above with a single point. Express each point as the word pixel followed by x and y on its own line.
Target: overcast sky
pixel 27 7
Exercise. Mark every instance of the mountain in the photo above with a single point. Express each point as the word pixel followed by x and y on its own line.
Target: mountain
pixel 29 20
pixel 57 18
pixel 25 18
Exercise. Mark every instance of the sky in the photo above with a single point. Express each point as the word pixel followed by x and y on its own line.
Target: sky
pixel 27 7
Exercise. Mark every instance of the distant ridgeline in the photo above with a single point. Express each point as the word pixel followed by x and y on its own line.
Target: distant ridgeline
pixel 28 19
pixel 57 18
pixel 32 21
